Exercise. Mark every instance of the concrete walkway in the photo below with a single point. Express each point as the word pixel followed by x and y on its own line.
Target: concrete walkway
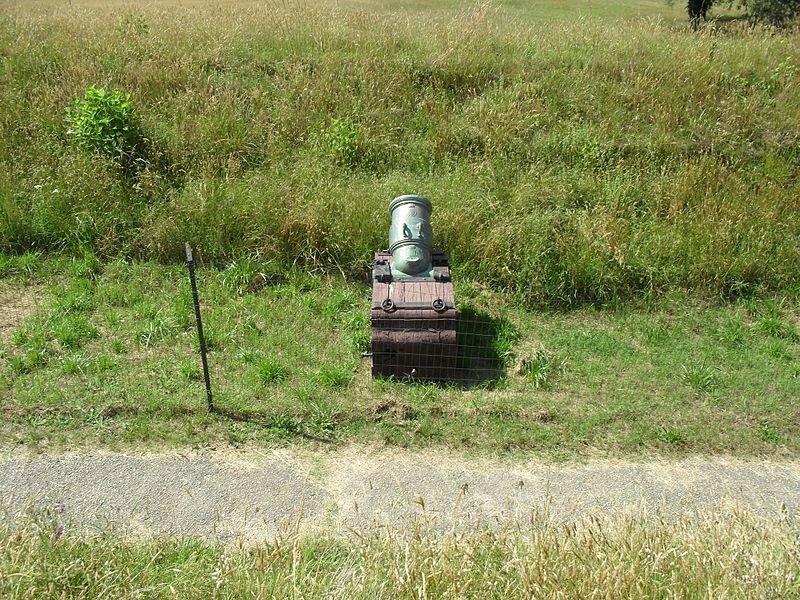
pixel 227 496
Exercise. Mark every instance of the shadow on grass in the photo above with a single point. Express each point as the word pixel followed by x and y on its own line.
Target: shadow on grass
pixel 279 422
pixel 484 346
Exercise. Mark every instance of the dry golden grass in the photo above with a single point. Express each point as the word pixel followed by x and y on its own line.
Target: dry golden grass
pixel 725 554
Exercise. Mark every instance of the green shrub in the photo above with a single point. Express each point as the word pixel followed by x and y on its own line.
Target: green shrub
pixel 104 122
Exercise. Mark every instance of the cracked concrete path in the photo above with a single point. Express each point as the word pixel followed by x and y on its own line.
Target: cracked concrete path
pixel 227 496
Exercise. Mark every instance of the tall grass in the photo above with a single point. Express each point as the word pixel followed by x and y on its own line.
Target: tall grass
pixel 732 554
pixel 568 161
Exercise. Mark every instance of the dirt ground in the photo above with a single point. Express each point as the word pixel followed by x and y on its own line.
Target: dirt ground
pixel 16 304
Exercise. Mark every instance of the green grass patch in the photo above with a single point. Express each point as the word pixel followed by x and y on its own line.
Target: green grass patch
pixel 112 361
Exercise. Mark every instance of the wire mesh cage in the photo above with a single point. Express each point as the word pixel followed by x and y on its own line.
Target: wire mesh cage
pixel 464 348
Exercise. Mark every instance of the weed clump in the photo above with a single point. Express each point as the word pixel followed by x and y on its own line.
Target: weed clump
pixel 541 367
pixel 700 377
pixel 271 371
pixel 340 142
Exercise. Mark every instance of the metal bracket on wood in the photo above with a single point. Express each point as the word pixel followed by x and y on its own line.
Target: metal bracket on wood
pixel 438 305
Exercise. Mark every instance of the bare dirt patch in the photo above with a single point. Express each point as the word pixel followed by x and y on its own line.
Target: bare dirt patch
pixel 17 303
pixel 390 410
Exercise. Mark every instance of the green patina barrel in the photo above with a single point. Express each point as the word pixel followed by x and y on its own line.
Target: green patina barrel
pixel 411 236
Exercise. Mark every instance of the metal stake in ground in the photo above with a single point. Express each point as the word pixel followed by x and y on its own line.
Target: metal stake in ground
pixel 201 338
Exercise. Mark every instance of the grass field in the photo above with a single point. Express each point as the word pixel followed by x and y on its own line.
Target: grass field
pixel 570 161
pixel 109 358
pixel 640 176
pixel 619 197
pixel 444 9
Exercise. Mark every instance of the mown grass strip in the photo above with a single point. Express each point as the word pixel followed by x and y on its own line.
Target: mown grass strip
pixel 109 358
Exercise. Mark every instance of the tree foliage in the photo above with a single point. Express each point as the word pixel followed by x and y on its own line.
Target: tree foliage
pixel 771 12
pixel 766 12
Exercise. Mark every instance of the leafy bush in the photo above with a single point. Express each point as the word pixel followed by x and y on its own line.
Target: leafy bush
pixel 772 12
pixel 104 122
pixel 340 142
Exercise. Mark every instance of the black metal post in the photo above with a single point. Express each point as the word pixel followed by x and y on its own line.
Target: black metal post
pixel 201 338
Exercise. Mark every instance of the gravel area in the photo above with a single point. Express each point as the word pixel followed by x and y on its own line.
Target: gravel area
pixel 226 496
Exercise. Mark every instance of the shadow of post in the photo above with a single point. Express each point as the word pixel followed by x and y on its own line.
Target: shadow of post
pixel 266 420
